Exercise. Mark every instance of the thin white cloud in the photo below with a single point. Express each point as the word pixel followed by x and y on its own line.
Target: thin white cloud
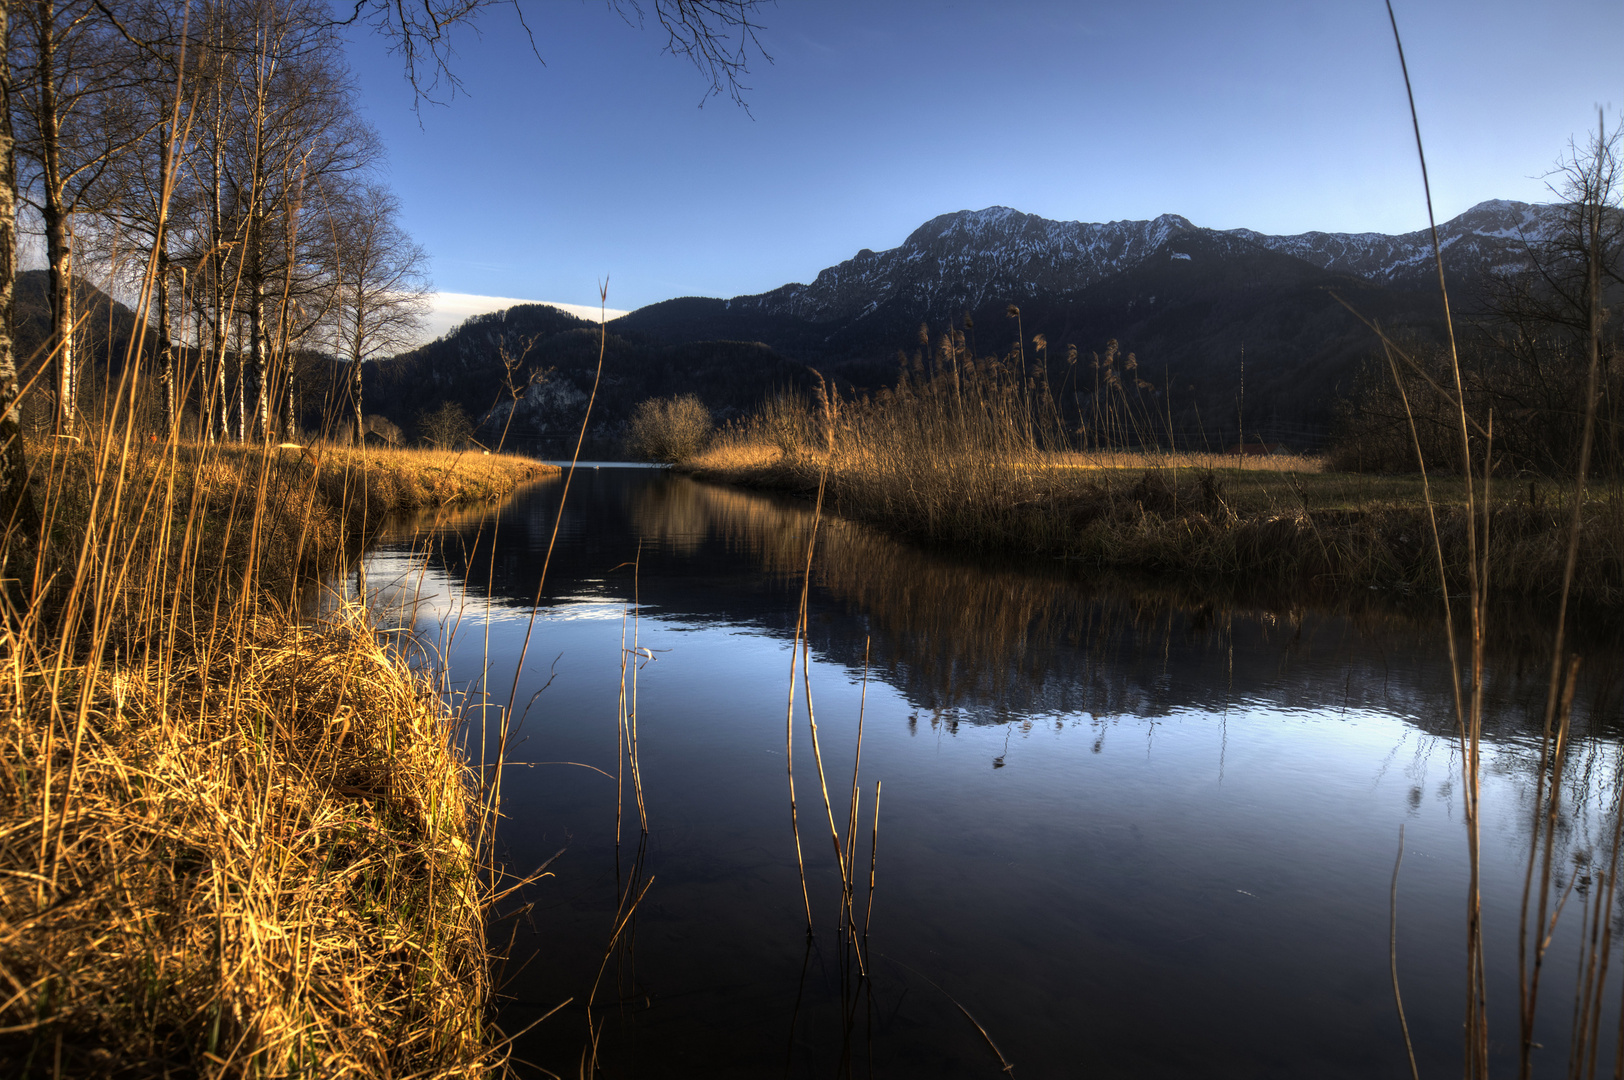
pixel 447 309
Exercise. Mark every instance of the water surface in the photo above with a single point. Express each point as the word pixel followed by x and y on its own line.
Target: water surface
pixel 1129 835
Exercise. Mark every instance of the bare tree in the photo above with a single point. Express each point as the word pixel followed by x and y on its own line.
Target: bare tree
pixel 1543 321
pixel 151 196
pixel 718 36
pixel 17 511
pixel 446 426
pixel 294 138
pixel 71 72
pixel 382 285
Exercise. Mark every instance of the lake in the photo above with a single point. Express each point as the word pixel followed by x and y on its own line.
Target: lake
pixel 1122 831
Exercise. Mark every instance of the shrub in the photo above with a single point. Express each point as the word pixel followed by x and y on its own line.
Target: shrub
pixel 446 426
pixel 669 430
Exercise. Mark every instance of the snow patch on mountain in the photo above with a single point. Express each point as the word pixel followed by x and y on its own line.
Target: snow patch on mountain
pixel 958 261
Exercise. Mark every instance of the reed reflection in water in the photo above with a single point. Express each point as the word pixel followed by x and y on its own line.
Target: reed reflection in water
pixel 1130 834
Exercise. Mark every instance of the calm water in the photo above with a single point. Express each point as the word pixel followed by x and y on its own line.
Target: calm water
pixel 1129 837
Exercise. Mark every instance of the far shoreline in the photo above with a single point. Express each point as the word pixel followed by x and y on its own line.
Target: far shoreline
pixel 1285 528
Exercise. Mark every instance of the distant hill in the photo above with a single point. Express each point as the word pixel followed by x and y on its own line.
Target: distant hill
pixel 107 327
pixel 555 356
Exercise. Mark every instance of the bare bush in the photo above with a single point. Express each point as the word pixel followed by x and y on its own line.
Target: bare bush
pixel 669 430
pixel 446 426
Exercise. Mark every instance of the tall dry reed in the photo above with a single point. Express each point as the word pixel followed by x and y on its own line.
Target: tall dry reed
pixel 1544 896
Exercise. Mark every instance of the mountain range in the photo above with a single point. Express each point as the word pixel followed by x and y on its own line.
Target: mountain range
pixel 961 261
pixel 1192 303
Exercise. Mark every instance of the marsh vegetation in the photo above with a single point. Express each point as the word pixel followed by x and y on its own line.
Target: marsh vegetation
pixel 951 461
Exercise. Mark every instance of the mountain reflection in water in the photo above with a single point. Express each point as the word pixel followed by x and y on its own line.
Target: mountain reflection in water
pixel 1131 834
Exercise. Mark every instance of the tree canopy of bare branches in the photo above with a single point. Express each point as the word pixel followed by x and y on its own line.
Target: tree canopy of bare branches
pixel 207 158
pixel 718 36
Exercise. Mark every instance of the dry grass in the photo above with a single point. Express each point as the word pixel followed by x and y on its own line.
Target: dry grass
pixel 262 866
pixel 1182 459
pixel 391 480
pixel 205 513
pixel 231 844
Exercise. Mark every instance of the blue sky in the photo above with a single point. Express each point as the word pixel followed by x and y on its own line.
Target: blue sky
pixel 539 179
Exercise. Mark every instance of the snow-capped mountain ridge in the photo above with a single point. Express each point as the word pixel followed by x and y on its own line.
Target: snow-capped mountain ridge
pixel 957 261
pixel 1492 234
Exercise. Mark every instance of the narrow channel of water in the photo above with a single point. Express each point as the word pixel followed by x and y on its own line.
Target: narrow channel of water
pixel 1129 837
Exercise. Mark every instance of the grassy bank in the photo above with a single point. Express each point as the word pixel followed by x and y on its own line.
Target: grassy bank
pixel 930 465
pixel 231 843
pixel 262 517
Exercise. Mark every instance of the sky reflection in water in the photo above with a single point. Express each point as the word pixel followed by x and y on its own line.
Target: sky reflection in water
pixel 1131 837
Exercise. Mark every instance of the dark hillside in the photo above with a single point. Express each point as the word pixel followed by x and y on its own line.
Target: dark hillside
pixel 1186 310
pixel 107 328
pixel 1190 309
pixel 699 318
pixel 554 356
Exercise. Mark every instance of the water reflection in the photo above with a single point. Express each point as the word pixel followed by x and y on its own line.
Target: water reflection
pixel 986 641
pixel 1128 832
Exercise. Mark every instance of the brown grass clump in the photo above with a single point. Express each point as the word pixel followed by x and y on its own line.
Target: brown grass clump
pixel 254 860
pixel 231 843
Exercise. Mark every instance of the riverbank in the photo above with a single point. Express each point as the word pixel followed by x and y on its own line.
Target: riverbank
pixel 1275 523
pixel 231 842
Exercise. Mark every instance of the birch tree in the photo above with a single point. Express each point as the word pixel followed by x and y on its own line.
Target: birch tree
pixel 383 288
pixel 17 513
pixel 295 137
pixel 152 197
pixel 68 71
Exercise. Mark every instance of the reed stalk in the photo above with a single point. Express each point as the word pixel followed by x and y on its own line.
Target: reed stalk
pixel 1392 956
pixel 1555 729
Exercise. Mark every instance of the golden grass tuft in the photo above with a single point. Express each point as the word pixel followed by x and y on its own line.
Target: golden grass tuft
pixel 231 843
pixel 389 480
pixel 262 866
